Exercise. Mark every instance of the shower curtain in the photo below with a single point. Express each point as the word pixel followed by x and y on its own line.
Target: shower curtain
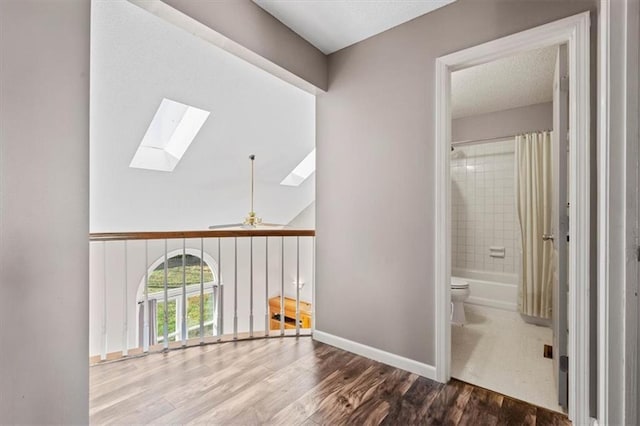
pixel 534 187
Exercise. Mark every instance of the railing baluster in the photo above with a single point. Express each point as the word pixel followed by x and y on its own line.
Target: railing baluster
pixel 146 320
pixel 166 299
pixel 267 324
pixel 220 297
pixel 250 286
pixel 184 332
pixel 103 355
pixel 297 286
pixel 147 315
pixel 235 288
pixel 282 288
pixel 125 302
pixel 202 290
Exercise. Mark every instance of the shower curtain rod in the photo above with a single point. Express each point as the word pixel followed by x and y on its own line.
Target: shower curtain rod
pixel 484 140
pixel 475 141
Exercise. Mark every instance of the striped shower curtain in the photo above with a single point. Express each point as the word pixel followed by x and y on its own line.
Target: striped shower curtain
pixel 534 186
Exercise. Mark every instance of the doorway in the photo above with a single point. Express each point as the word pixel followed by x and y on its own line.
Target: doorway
pixel 574 32
pixel 508 177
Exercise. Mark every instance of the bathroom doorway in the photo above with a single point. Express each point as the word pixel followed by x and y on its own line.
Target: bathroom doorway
pixel 505 270
pixel 506 167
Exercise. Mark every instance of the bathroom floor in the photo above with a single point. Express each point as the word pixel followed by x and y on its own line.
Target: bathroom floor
pixel 497 350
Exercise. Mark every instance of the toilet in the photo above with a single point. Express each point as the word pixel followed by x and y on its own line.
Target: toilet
pixel 459 293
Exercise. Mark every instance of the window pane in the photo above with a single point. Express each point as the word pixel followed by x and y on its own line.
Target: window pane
pixel 171 321
pixel 193 314
pixel 174 273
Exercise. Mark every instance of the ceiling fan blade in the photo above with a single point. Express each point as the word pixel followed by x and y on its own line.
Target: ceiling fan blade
pixel 262 225
pixel 251 221
pixel 230 225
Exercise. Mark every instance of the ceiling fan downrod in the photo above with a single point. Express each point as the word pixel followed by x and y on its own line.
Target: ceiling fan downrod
pixel 252 219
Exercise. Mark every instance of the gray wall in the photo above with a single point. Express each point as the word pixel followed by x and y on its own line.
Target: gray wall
pixel 375 171
pixel 503 123
pixel 246 23
pixel 44 217
pixel 622 278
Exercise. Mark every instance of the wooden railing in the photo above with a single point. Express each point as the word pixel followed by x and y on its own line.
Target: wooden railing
pixel 126 317
pixel 168 235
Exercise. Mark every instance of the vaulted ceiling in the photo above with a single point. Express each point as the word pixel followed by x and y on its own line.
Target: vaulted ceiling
pixel 138 60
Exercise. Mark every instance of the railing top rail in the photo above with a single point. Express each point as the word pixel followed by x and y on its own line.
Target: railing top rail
pixel 216 233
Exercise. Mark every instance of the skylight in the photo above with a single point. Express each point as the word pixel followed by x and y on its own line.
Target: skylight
pixel 173 128
pixel 302 170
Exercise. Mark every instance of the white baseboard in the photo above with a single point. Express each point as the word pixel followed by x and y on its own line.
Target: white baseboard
pixel 379 355
pixel 507 306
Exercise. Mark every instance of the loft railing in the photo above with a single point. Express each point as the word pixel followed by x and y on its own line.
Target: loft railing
pixel 155 291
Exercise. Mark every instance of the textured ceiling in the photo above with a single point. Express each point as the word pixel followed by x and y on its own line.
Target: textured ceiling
pixel 331 25
pixel 137 59
pixel 513 82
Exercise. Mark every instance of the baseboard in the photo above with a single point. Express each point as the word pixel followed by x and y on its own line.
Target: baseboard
pixel 379 355
pixel 492 303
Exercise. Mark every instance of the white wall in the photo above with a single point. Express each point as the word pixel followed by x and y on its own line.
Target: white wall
pixel 137 60
pixel 306 219
pixel 44 217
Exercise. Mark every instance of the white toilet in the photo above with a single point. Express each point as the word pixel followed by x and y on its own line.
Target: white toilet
pixel 459 293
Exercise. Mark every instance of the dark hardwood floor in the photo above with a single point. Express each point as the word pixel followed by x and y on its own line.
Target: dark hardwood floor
pixel 290 381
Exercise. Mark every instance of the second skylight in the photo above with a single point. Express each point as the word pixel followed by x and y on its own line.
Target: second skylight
pixel 302 171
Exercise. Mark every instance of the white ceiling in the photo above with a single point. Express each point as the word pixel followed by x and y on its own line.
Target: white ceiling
pixel 512 82
pixel 137 59
pixel 331 25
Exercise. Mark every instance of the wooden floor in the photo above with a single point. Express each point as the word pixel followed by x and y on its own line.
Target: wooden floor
pixel 290 381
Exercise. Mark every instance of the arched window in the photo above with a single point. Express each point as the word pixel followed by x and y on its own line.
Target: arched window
pixel 192 273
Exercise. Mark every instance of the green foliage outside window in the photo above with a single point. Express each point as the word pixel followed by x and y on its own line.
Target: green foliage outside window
pixel 174 273
pixel 174 280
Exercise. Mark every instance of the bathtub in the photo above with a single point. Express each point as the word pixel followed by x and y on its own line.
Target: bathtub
pixel 494 289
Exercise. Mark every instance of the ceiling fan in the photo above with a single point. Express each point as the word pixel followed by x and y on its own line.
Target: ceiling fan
pixel 251 221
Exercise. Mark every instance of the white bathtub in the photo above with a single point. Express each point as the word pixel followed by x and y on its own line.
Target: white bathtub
pixel 494 289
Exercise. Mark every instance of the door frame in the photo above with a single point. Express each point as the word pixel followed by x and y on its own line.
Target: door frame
pixel 574 31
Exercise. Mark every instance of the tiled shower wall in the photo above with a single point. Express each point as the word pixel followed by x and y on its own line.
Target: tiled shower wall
pixel 483 207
